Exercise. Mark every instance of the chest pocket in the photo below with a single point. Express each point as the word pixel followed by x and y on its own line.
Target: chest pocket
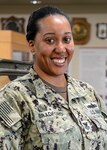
pixel 53 122
pixel 95 116
pixel 98 126
pixel 91 121
pixel 57 128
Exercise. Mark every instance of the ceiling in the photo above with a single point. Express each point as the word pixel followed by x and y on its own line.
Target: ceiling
pixel 70 6
pixel 56 2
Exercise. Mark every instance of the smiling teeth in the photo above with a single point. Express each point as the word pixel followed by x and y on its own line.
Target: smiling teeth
pixel 59 61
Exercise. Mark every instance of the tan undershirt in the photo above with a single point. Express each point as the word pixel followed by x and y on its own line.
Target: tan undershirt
pixel 61 90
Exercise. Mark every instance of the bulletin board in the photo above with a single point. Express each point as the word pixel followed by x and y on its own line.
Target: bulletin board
pixel 93 68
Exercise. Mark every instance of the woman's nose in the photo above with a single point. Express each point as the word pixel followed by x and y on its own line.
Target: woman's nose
pixel 60 47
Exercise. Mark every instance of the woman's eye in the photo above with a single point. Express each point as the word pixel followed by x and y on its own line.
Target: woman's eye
pixel 50 41
pixel 67 40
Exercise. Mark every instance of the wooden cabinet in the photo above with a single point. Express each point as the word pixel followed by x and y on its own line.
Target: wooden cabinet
pixel 10 42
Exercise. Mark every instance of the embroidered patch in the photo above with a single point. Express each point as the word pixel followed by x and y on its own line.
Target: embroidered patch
pixel 92 109
pixel 8 114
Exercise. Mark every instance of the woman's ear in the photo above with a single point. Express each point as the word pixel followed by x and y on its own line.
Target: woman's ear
pixel 31 46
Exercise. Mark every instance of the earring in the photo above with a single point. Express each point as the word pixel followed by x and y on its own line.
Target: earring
pixel 33 51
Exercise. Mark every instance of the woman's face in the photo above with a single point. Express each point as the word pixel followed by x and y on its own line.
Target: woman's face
pixel 53 45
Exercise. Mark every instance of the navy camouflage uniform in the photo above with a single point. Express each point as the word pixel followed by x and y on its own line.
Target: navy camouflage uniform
pixel 33 116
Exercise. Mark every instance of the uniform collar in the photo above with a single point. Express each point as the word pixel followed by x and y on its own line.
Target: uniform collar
pixel 74 88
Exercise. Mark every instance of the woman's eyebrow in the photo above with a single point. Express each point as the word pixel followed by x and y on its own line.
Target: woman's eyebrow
pixel 50 33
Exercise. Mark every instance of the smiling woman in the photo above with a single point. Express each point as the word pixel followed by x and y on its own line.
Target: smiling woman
pixel 47 109
pixel 53 47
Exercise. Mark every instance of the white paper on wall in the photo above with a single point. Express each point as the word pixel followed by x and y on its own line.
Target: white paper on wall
pixel 93 68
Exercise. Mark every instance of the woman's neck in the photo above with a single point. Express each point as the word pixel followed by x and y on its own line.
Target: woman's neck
pixel 58 81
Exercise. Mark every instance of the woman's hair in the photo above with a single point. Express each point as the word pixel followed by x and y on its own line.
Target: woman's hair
pixel 33 27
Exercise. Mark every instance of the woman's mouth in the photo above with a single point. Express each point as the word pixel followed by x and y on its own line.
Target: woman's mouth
pixel 59 61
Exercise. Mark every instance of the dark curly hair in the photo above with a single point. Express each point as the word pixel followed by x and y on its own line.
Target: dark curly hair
pixel 33 27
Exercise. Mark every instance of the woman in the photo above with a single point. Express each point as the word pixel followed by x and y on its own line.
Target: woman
pixel 46 109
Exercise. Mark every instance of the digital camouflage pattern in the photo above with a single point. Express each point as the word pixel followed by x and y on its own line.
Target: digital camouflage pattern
pixel 34 117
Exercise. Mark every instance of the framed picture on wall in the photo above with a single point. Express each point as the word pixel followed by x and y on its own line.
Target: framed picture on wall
pixel 80 30
pixel 13 23
pixel 101 30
